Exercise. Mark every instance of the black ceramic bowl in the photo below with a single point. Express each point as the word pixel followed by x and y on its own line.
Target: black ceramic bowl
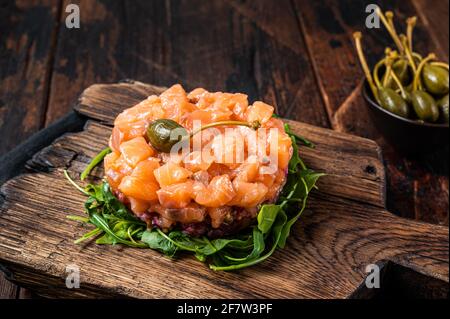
pixel 406 135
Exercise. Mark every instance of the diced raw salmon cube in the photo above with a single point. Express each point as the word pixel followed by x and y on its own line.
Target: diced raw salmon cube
pixel 219 192
pixel 144 170
pixel 248 194
pixel 175 103
pixel 193 213
pixel 136 150
pixel 138 206
pixel 171 173
pixel 260 112
pixel 176 195
pixel 137 188
pixel 197 161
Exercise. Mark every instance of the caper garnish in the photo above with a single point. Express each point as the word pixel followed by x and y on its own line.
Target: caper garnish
pixel 423 103
pixel 401 69
pixel 425 106
pixel 393 102
pixel 163 134
pixel 435 79
pixel 408 79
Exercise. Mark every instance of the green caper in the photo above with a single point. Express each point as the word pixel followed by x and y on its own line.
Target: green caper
pixel 435 79
pixel 425 106
pixel 401 69
pixel 443 108
pixel 393 102
pixel 163 134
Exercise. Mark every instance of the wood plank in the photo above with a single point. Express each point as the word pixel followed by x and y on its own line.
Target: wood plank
pixel 166 42
pixel 336 236
pixel 434 15
pixel 7 289
pixel 27 29
pixel 328 27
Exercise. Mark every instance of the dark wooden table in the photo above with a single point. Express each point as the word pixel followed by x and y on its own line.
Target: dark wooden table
pixel 295 54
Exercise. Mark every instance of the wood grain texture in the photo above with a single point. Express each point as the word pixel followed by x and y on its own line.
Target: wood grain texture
pixel 244 48
pixel 326 255
pixel 434 15
pixel 27 29
pixel 27 33
pixel 328 27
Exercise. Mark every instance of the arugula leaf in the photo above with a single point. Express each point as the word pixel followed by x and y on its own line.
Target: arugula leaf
pixel 155 241
pixel 307 182
pixel 267 216
pixel 97 159
pixel 258 248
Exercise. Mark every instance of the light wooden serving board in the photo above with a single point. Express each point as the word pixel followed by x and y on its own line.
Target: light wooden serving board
pixel 345 228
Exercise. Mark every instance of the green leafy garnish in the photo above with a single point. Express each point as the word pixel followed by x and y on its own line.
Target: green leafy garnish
pixel 95 161
pixel 116 225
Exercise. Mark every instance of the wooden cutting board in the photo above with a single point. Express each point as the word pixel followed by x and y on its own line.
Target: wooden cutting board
pixel 345 228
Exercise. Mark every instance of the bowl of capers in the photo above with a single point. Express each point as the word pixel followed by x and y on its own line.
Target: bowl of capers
pixel 406 92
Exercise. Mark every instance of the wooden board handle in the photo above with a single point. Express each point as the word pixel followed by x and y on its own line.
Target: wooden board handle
pixel 420 246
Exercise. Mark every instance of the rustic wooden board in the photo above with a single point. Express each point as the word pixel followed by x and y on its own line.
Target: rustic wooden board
pixel 345 228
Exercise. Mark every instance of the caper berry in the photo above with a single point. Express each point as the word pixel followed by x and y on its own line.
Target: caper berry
pixel 401 69
pixel 425 106
pixel 163 134
pixel 443 108
pixel 435 79
pixel 393 102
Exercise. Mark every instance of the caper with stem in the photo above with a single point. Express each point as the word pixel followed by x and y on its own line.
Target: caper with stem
pixel 389 98
pixel 386 97
pixel 400 67
pixel 163 134
pixel 423 103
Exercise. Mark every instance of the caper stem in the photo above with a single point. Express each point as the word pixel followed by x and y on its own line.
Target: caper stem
pixel 388 26
pixel 362 59
pixel 417 56
pixel 399 84
pixel 431 56
pixel 389 61
pixel 440 64
pixel 411 22
pixel 254 125
pixel 409 54
pixel 390 19
pixel 376 70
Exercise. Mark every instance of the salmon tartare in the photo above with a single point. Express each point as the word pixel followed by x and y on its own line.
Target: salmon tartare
pixel 213 189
